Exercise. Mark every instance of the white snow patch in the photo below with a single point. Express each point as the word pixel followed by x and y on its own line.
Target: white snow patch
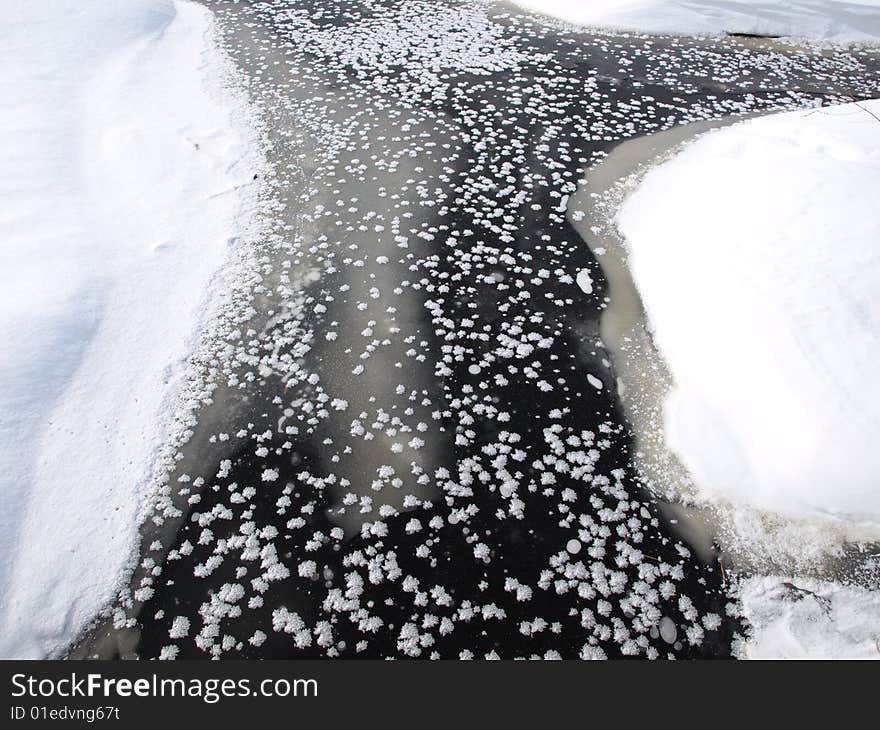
pixel 831 20
pixel 585 281
pixel 797 618
pixel 121 163
pixel 755 253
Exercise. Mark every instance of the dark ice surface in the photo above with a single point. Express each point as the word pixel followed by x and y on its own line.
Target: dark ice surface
pixel 401 442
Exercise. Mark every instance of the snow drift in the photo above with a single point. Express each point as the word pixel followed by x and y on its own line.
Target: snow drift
pixel 832 20
pixel 121 172
pixel 755 254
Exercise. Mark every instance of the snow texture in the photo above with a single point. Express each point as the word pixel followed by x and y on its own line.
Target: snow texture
pixel 829 20
pixel 754 251
pixel 120 168
pixel 809 619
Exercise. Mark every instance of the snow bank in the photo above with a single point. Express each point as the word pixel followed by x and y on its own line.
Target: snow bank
pixel 119 174
pixel 833 20
pixel 755 253
pixel 797 618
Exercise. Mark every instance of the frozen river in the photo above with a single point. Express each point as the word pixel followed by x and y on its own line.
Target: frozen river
pixel 415 445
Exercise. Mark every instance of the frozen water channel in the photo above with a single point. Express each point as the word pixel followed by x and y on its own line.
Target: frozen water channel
pixel 414 445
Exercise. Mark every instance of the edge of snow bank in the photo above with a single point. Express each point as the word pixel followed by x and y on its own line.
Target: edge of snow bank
pixel 832 21
pixel 766 322
pixel 130 243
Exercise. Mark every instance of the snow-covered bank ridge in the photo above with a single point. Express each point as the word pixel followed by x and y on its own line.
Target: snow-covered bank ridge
pixel 127 167
pixel 754 252
pixel 840 21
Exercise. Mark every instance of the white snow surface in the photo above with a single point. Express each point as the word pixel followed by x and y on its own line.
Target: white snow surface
pixel 800 618
pixel 755 251
pixel 830 20
pixel 120 161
